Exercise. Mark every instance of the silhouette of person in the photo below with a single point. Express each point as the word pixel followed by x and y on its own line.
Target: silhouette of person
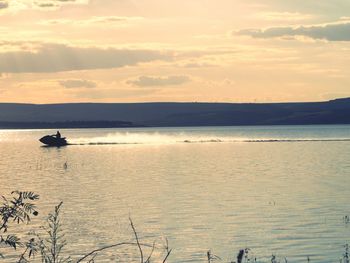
pixel 58 135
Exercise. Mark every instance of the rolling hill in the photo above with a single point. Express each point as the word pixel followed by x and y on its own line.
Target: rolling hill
pixel 78 115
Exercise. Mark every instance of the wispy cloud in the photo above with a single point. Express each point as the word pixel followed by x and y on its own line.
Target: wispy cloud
pixel 96 20
pixel 337 31
pixel 77 83
pixel 4 4
pixel 58 57
pixel 283 16
pixel 55 3
pixel 16 5
pixel 151 81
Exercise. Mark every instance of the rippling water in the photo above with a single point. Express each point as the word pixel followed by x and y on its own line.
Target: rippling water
pixel 277 190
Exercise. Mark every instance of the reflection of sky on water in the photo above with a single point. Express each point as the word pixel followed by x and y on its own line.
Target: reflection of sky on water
pixel 282 198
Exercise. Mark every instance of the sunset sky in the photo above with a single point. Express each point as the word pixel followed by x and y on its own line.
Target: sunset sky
pixel 54 51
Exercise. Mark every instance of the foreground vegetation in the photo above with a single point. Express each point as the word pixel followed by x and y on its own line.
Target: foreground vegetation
pixel 48 245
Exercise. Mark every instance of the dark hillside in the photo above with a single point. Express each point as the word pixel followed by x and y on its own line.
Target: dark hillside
pixel 176 114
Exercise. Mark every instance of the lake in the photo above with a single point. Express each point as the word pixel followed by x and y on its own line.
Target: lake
pixel 281 190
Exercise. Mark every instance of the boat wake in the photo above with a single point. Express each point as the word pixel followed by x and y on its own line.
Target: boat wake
pixel 265 140
pixel 161 139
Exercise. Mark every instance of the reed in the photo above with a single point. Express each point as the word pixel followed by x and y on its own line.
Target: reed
pixel 50 245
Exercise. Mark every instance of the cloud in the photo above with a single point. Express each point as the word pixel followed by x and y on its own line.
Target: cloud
pixel 149 81
pixel 3 4
pixel 112 19
pixel 197 65
pixel 96 20
pixel 326 7
pixel 17 5
pixel 283 16
pixel 46 5
pixel 4 76
pixel 58 57
pixel 338 31
pixel 54 4
pixel 77 83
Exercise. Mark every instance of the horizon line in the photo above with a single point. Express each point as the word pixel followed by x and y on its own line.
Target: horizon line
pixel 176 102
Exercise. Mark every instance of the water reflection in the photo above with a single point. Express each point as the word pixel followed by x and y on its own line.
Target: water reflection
pixel 283 198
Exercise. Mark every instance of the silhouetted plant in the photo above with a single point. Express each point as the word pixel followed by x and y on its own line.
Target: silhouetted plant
pixel 92 255
pixel 51 247
pixel 244 256
pixel 17 209
pixel 51 243
pixel 345 258
pixel 31 248
pixel 211 257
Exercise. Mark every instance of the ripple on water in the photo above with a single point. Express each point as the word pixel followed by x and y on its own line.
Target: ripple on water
pixel 288 199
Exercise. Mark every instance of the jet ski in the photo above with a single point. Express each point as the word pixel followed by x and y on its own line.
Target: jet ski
pixel 53 141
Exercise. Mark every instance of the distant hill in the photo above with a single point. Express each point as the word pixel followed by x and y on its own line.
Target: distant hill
pixel 66 124
pixel 77 115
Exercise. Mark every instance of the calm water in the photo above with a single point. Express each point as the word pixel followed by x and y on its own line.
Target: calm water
pixel 281 190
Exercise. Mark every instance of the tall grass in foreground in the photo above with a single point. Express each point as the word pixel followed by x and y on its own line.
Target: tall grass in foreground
pixel 49 245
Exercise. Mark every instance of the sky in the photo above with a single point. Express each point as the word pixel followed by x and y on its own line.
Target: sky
pixel 62 51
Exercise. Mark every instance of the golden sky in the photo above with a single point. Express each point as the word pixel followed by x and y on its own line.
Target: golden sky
pixel 54 51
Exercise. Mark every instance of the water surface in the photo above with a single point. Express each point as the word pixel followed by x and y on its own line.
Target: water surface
pixel 281 190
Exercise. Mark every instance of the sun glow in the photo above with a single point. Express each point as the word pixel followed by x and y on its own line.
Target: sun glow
pixel 238 52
